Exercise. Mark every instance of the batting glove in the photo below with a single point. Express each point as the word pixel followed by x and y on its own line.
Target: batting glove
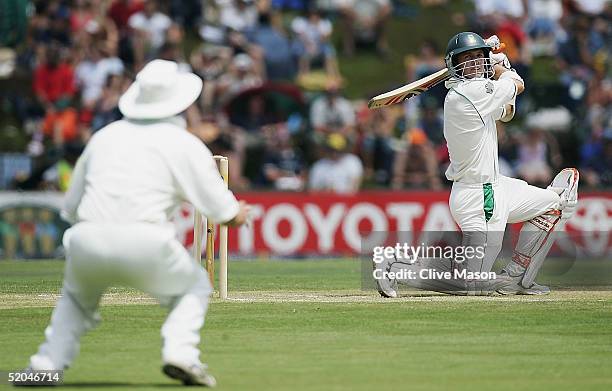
pixel 500 58
pixel 493 41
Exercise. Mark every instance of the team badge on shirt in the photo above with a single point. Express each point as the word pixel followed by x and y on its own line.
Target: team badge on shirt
pixel 489 87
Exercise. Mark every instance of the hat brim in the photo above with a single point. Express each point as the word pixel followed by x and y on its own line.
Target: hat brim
pixel 185 91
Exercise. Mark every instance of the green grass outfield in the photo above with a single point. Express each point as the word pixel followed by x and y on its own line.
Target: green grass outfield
pixel 306 325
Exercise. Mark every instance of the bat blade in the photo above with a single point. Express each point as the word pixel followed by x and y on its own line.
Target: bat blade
pixel 408 91
pixel 417 87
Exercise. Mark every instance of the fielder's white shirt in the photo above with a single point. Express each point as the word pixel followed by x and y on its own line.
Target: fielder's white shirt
pixel 471 108
pixel 141 171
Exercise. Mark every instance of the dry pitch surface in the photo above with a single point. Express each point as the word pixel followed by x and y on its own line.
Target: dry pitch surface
pixel 127 297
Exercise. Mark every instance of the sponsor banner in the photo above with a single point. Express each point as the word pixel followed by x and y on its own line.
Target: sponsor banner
pixel 330 224
pixel 335 224
pixel 298 223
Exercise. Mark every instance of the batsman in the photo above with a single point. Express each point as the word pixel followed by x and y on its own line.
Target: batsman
pixel 482 89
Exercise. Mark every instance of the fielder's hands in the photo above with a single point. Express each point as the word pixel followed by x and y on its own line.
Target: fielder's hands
pixel 243 215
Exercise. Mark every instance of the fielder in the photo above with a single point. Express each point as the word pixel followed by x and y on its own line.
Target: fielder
pixel 131 177
pixel 483 89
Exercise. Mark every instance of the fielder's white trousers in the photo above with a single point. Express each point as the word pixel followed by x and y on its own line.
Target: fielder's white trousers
pixel 141 255
pixel 482 212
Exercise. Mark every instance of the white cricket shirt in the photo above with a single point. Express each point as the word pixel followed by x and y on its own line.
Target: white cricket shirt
pixel 141 171
pixel 471 108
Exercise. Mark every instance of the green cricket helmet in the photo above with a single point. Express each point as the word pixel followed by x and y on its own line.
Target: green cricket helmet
pixel 461 43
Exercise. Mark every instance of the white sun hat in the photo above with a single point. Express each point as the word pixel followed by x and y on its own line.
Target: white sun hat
pixel 160 91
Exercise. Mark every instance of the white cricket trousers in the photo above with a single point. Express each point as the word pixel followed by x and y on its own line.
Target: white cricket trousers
pixel 483 210
pixel 140 255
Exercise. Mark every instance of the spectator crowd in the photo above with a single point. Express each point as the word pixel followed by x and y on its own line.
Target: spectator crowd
pixel 273 100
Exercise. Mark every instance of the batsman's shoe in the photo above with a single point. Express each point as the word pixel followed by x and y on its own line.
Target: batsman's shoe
pixel 516 288
pixel 190 375
pixel 384 285
pixel 488 287
pixel 535 289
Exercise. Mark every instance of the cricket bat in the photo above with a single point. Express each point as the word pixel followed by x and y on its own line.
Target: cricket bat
pixel 399 95
pixel 415 88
